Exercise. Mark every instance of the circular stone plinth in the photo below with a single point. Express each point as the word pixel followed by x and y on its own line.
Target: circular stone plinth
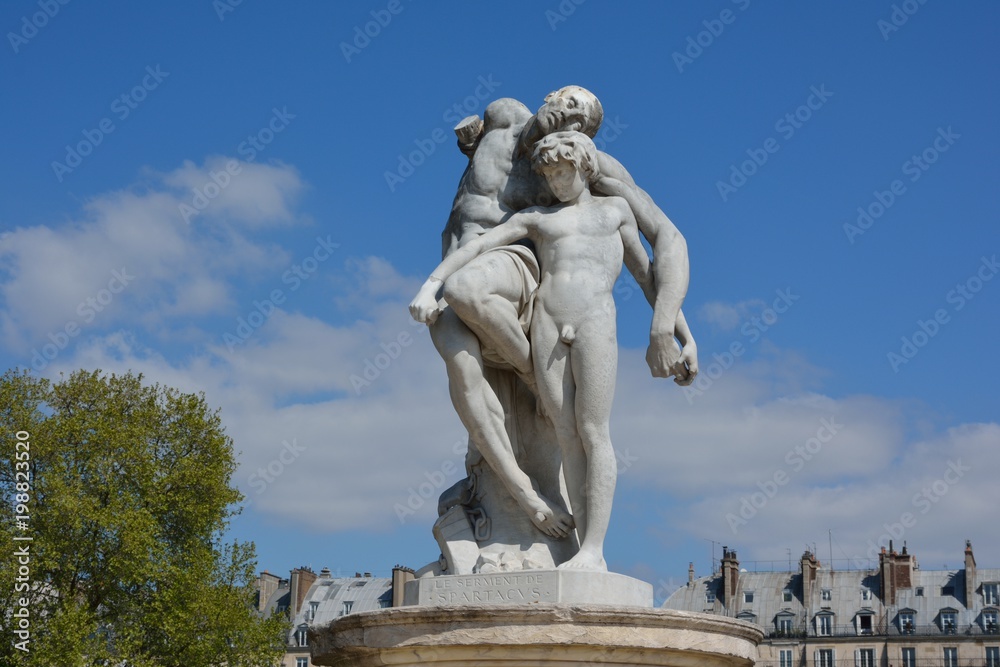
pixel 530 635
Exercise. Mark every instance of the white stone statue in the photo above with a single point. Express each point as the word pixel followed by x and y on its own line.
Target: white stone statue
pixel 509 329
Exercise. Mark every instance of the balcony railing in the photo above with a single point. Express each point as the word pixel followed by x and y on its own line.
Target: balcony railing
pixel 849 630
pixel 850 662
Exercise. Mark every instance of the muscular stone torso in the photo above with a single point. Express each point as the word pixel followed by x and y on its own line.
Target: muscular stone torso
pixel 497 182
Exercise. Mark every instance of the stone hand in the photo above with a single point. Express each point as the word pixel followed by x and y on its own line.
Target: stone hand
pixel 424 307
pixel 663 355
pixel 686 368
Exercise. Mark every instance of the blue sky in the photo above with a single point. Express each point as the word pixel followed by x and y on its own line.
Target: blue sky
pixel 271 162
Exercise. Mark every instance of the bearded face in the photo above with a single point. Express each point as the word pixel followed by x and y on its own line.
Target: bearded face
pixel 566 110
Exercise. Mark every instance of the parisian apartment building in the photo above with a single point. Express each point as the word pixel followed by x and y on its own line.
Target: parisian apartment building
pixel 307 599
pixel 897 615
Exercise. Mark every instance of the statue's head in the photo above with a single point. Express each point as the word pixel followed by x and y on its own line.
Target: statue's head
pixel 571 108
pixel 575 148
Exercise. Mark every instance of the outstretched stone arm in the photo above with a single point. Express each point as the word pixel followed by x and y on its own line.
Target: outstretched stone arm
pixel 424 307
pixel 670 268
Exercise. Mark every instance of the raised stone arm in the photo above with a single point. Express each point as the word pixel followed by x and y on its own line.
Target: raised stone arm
pixel 469 131
pixel 670 266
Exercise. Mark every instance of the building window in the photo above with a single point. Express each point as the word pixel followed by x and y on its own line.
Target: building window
pixel 384 604
pixel 866 657
pixel 786 595
pixel 949 622
pixel 919 591
pixel 865 624
pixel 302 636
pixel 301 662
pixel 785 658
pixel 826 595
pixel 785 625
pixel 710 597
pixel 824 625
pixel 747 597
pixel 990 621
pixel 348 605
pixel 909 656
pixel 906 624
pixel 824 657
pixel 991 593
pixel 950 657
pixel 866 594
pixel 313 606
pixel 993 656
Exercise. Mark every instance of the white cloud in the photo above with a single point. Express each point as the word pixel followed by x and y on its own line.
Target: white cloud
pixel 243 193
pixel 729 316
pixel 172 269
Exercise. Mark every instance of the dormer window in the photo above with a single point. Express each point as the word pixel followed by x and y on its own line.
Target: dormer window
pixel 710 597
pixel 918 591
pixel 907 625
pixel 866 594
pixel 348 605
pixel 826 595
pixel 747 597
pixel 824 625
pixel 991 593
pixel 864 623
pixel 990 621
pixel 302 636
pixel 786 595
pixel 313 606
pixel 783 624
pixel 949 622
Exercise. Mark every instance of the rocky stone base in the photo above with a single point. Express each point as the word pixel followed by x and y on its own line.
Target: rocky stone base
pixel 541 635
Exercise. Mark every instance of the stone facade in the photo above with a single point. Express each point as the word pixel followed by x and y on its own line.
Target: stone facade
pixel 892 616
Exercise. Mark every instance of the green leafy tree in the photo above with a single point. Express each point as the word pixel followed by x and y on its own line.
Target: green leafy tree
pixel 130 495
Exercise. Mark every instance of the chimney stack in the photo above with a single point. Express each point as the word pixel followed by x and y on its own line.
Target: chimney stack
pixel 690 573
pixel 400 576
pixel 301 579
pixel 809 565
pixel 970 576
pixel 895 573
pixel 267 584
pixel 730 578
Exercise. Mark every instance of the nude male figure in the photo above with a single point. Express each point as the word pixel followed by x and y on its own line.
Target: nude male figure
pixel 581 243
pixel 489 298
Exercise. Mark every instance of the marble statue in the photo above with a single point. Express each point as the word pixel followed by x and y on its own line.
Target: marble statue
pixel 521 307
